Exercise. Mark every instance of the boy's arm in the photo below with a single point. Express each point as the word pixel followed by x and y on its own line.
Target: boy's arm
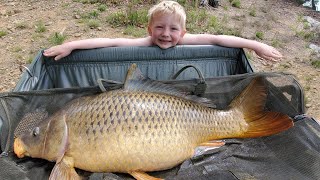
pixel 263 50
pixel 65 49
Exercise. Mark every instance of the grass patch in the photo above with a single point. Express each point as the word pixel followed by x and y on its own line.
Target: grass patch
pixel 213 23
pixel 17 49
pixel 306 35
pixel 117 19
pixel 259 35
pixel 90 15
pixel 182 2
pixel 285 66
pixel 3 33
pixel 135 31
pixel 276 43
pixel 65 5
pixel 253 12
pixel 230 31
pixel 40 27
pixel 235 3
pixel 57 38
pixel 248 55
pixel 87 1
pixel 102 8
pixel 315 63
pixel 37 36
pixel 132 17
pixel 93 23
pixel 197 20
pixel 21 25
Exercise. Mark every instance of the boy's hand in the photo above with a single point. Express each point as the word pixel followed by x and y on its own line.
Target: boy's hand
pixel 59 51
pixel 268 53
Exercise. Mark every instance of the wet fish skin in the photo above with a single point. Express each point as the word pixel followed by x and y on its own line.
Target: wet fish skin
pixel 139 131
pixel 132 128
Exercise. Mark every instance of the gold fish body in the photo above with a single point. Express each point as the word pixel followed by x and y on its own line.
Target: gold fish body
pixel 142 131
pixel 133 131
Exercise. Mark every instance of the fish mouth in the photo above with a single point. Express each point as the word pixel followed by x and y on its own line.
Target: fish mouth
pixel 18 148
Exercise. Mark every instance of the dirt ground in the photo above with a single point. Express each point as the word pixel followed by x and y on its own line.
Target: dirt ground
pixel 278 20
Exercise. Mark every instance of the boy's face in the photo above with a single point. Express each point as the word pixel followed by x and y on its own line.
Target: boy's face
pixel 165 30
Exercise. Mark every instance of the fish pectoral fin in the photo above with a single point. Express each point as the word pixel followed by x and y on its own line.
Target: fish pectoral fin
pixel 213 143
pixel 64 170
pixel 142 176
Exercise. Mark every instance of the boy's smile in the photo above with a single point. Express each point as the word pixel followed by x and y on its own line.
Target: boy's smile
pixel 166 30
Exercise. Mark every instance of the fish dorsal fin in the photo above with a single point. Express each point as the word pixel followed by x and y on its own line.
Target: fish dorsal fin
pixel 135 81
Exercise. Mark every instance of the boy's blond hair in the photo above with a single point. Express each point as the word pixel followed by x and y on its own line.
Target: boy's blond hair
pixel 168 7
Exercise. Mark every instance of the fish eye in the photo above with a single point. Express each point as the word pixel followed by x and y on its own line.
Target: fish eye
pixel 36 131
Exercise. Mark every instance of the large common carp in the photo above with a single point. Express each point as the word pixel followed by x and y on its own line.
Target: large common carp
pixel 145 126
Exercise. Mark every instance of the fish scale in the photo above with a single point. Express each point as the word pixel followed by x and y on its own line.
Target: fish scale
pixel 134 130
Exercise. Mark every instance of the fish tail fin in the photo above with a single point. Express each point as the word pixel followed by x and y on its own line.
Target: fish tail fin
pixel 251 103
pixel 64 170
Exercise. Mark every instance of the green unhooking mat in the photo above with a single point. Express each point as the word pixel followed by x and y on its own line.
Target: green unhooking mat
pixel 217 73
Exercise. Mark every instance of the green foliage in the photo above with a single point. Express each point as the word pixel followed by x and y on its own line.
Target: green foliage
pixel 40 27
pixel 189 3
pixel 248 55
pixel 3 33
pixel 315 63
pixel 30 59
pixel 102 8
pixel 17 49
pixel 135 31
pixel 117 19
pixel 57 38
pixel 235 3
pixel 213 22
pixel 276 43
pixel 306 25
pixel 259 35
pixel 230 31
pixel 88 1
pixel 285 65
pixel 65 5
pixel 182 2
pixel 93 23
pixel 132 17
pixel 21 25
pixel 307 35
pixel 253 12
pixel 91 15
pixel 197 19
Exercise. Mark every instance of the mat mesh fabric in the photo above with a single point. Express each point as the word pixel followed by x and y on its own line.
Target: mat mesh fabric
pixel 293 154
pixel 29 121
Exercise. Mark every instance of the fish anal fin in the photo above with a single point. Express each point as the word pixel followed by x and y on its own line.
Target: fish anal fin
pixel 251 103
pixel 64 170
pixel 213 144
pixel 142 176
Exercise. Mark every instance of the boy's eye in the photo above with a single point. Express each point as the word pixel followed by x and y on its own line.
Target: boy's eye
pixel 159 27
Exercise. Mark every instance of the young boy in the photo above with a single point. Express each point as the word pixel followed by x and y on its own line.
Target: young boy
pixel 167 28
